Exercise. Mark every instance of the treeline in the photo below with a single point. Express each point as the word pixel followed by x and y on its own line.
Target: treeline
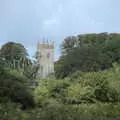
pixel 86 85
pixel 88 53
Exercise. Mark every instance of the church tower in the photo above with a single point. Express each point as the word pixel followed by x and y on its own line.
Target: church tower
pixel 45 59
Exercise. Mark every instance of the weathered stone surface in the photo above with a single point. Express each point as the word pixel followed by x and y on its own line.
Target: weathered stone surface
pixel 45 59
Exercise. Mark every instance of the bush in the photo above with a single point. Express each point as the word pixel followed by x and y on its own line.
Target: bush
pixel 96 111
pixel 41 95
pixel 13 88
pixel 99 86
pixel 80 94
pixel 55 111
pixel 11 111
pixel 97 81
pixel 51 89
pixel 82 87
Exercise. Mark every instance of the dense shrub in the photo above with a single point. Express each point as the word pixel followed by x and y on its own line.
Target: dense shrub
pixel 99 86
pixel 41 95
pixel 55 111
pixel 51 89
pixel 78 94
pixel 78 112
pixel 82 87
pixel 13 88
pixel 10 111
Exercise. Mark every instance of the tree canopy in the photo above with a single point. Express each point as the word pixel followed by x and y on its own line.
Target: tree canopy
pixel 14 54
pixel 89 52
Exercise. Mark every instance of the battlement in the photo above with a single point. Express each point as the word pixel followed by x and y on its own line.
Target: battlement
pixel 45 45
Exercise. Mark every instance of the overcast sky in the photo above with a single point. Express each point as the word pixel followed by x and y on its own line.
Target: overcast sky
pixel 28 21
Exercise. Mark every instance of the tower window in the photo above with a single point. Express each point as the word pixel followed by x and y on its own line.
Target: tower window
pixel 48 55
pixel 40 54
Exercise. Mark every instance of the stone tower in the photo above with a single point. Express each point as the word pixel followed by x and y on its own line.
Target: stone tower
pixel 45 59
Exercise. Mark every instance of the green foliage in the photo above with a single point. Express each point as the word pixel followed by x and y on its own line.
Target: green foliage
pixel 13 88
pixel 97 111
pixel 13 51
pixel 112 48
pixel 81 87
pixel 50 89
pixel 78 94
pixel 88 53
pixel 69 44
pixel 15 56
pixel 30 71
pixel 10 111
pixel 99 86
pixel 41 95
pixel 90 91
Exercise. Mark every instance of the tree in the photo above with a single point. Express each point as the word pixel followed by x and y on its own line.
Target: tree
pixel 70 43
pixel 83 59
pixel 81 40
pixel 31 70
pixel 87 53
pixel 14 54
pixel 112 48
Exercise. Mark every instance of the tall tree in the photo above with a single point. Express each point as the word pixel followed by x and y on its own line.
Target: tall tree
pixel 93 52
pixel 14 54
pixel 69 43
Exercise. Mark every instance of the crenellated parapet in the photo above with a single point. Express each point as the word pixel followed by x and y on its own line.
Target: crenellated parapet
pixel 45 45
